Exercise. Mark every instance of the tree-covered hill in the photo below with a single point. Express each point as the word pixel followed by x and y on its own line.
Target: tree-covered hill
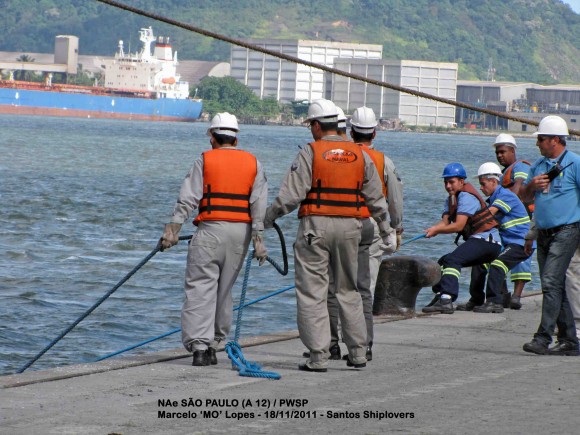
pixel 526 40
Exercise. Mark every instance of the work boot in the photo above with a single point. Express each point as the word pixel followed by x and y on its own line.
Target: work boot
pixel 305 368
pixel 356 366
pixel 467 306
pixel 515 303
pixel 334 352
pixel 564 348
pixel 434 300
pixel 369 354
pixel 506 299
pixel 536 347
pixel 444 306
pixel 200 358
pixel 211 355
pixel 489 307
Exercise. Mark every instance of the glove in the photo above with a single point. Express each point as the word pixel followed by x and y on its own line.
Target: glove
pixel 260 251
pixel 170 236
pixel 399 240
pixel 389 237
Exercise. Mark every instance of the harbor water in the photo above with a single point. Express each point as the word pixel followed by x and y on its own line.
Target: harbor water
pixel 82 201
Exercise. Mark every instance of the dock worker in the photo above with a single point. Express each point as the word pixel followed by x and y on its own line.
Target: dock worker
pixel 363 132
pixel 554 184
pixel 228 188
pixel 331 180
pixel 466 214
pixel 514 224
pixel 514 173
pixel 341 130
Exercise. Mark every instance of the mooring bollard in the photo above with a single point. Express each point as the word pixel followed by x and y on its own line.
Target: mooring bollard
pixel 400 280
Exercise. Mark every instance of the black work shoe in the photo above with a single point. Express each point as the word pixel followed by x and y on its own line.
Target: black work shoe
pixel 506 299
pixel 444 306
pixel 334 352
pixel 200 358
pixel 489 307
pixel 369 354
pixel 467 306
pixel 515 303
pixel 564 348
pixel 356 366
pixel 211 356
pixel 434 300
pixel 304 367
pixel 535 347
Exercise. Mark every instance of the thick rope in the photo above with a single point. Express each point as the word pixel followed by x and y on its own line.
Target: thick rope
pixel 96 304
pixel 339 72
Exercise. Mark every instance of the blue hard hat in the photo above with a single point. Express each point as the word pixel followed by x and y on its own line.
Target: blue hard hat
pixel 454 170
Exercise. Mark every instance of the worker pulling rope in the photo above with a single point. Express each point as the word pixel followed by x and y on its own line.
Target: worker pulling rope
pixel 297 60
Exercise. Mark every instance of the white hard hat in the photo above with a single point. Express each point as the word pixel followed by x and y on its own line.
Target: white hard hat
pixel 341 118
pixel 224 123
pixel 489 169
pixel 552 125
pixel 322 110
pixel 363 120
pixel 505 139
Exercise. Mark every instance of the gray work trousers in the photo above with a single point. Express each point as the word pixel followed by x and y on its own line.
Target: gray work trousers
pixel 363 285
pixel 328 245
pixel 214 259
pixel 573 285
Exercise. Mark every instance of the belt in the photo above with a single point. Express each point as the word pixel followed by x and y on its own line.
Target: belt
pixel 550 232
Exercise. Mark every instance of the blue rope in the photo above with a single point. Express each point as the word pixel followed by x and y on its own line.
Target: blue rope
pixel 173 331
pixel 420 236
pixel 233 349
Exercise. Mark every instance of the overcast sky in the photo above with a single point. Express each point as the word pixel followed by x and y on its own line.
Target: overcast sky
pixel 575 5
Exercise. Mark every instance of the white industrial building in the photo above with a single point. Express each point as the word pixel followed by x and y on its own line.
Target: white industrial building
pixel 435 78
pixel 286 81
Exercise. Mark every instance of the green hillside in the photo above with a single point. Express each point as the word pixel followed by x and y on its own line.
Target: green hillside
pixel 526 40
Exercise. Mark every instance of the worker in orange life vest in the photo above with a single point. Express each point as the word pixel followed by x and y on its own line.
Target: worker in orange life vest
pixel 466 214
pixel 330 179
pixel 363 131
pixel 229 189
pixel 515 172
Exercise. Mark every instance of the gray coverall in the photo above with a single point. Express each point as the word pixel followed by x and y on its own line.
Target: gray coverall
pixel 214 258
pixel 327 245
pixel 370 255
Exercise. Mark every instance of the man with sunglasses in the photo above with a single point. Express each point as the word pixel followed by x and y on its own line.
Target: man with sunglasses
pixel 554 184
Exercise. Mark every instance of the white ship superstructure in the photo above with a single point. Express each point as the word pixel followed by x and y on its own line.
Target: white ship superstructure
pixel 153 73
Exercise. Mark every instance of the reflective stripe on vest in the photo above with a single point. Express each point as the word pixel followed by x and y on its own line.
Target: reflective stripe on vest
pixel 228 177
pixel 337 179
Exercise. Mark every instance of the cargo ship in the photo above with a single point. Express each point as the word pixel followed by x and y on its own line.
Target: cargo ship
pixel 140 86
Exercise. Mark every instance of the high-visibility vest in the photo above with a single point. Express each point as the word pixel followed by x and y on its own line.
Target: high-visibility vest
pixel 481 221
pixel 378 159
pixel 228 177
pixel 337 179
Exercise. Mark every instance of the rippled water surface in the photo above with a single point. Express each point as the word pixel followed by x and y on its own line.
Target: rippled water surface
pixel 83 201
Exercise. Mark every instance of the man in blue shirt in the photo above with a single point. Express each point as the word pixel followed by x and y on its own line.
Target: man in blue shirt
pixel 514 223
pixel 465 213
pixel 514 173
pixel 554 184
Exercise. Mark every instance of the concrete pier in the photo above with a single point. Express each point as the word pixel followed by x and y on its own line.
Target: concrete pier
pixel 448 374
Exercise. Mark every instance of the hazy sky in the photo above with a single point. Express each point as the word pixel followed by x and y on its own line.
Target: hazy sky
pixel 575 5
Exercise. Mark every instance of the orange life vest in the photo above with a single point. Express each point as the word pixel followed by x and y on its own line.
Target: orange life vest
pixel 481 221
pixel 228 177
pixel 337 179
pixel 378 159
pixel 506 181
